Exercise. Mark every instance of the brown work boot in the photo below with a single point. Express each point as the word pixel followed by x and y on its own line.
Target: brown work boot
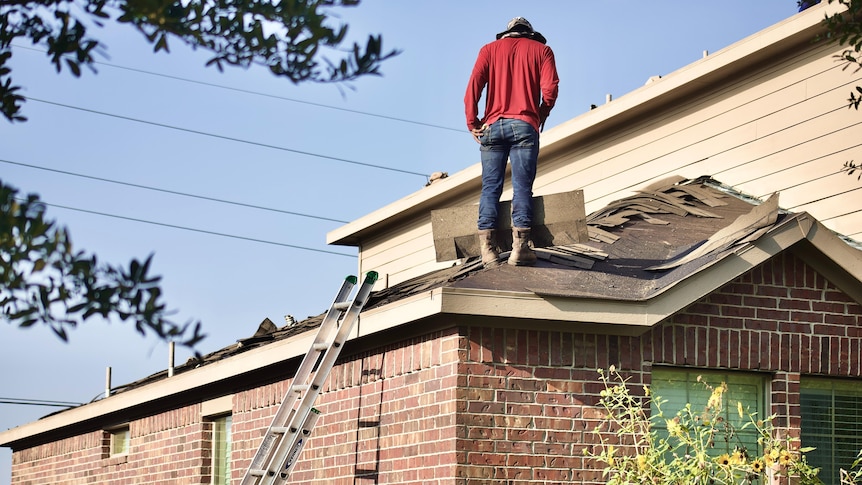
pixel 522 253
pixel 488 246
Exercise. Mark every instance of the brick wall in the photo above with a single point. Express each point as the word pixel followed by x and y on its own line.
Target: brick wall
pixel 387 416
pixel 528 397
pixel 171 447
pixel 476 405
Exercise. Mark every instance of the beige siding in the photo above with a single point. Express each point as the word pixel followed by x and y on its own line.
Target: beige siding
pixel 404 253
pixel 780 127
pixel 782 133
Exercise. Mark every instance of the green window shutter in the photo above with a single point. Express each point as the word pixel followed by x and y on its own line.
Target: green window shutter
pixel 221 450
pixel 831 424
pixel 681 386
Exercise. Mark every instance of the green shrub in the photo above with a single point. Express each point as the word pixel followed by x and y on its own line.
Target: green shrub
pixel 633 452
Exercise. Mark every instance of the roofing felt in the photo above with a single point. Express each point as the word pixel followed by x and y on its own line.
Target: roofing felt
pixel 638 247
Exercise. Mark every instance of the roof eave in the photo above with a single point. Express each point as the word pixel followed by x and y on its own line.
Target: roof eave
pixel 178 384
pixel 838 262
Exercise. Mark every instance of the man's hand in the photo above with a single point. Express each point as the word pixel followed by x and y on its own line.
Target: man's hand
pixel 544 111
pixel 477 132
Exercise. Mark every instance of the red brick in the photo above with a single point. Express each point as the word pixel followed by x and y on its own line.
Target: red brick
pixel 738 311
pixel 691 319
pixel 754 351
pixel 712 341
pixel 723 348
pixel 806 294
pixel 703 309
pixel 778 315
pixel 806 316
pixel 830 330
pixel 730 299
pixel 773 291
pixel 566 346
pixel 759 324
pixel 842 320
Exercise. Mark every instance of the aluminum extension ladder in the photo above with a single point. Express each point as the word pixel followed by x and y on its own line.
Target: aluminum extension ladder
pixel 290 429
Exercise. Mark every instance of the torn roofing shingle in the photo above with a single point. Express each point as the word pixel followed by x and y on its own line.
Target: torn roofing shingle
pixel 644 256
pixel 639 246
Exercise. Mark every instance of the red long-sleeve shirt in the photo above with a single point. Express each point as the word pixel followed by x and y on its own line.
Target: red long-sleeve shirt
pixel 522 80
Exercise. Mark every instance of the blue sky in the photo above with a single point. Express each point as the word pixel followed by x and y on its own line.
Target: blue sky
pixel 235 136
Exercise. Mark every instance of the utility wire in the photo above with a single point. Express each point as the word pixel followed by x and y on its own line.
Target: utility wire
pixel 203 197
pixel 238 140
pixel 38 402
pixel 257 93
pixel 203 231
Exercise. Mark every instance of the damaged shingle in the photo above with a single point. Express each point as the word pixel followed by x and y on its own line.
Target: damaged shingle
pixel 637 246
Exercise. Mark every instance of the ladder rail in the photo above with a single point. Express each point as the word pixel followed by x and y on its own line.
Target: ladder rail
pixel 292 424
pixel 322 338
pixel 321 375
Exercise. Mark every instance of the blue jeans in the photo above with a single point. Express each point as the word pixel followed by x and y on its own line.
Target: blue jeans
pixel 518 142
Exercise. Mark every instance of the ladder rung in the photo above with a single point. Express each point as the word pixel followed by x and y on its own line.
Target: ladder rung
pixel 282 444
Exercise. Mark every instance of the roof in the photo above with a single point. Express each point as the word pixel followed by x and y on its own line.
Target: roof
pixel 649 256
pixel 640 247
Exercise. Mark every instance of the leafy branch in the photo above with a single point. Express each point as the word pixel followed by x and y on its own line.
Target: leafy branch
pixel 845 28
pixel 850 167
pixel 292 38
pixel 632 450
pixel 43 281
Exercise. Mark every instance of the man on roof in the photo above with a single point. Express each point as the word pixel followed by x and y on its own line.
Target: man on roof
pixel 521 76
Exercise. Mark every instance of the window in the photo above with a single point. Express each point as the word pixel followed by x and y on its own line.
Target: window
pixel 221 450
pixel 831 423
pixel 120 441
pixel 678 387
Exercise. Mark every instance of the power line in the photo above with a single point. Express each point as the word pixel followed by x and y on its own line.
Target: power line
pixel 38 402
pixel 184 194
pixel 223 137
pixel 202 231
pixel 266 95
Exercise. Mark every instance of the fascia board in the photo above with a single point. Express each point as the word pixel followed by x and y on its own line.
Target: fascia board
pixel 407 310
pixel 839 262
pixel 526 305
pixel 845 256
pixel 179 383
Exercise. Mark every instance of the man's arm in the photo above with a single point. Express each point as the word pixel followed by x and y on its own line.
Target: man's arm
pixel 549 81
pixel 478 80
